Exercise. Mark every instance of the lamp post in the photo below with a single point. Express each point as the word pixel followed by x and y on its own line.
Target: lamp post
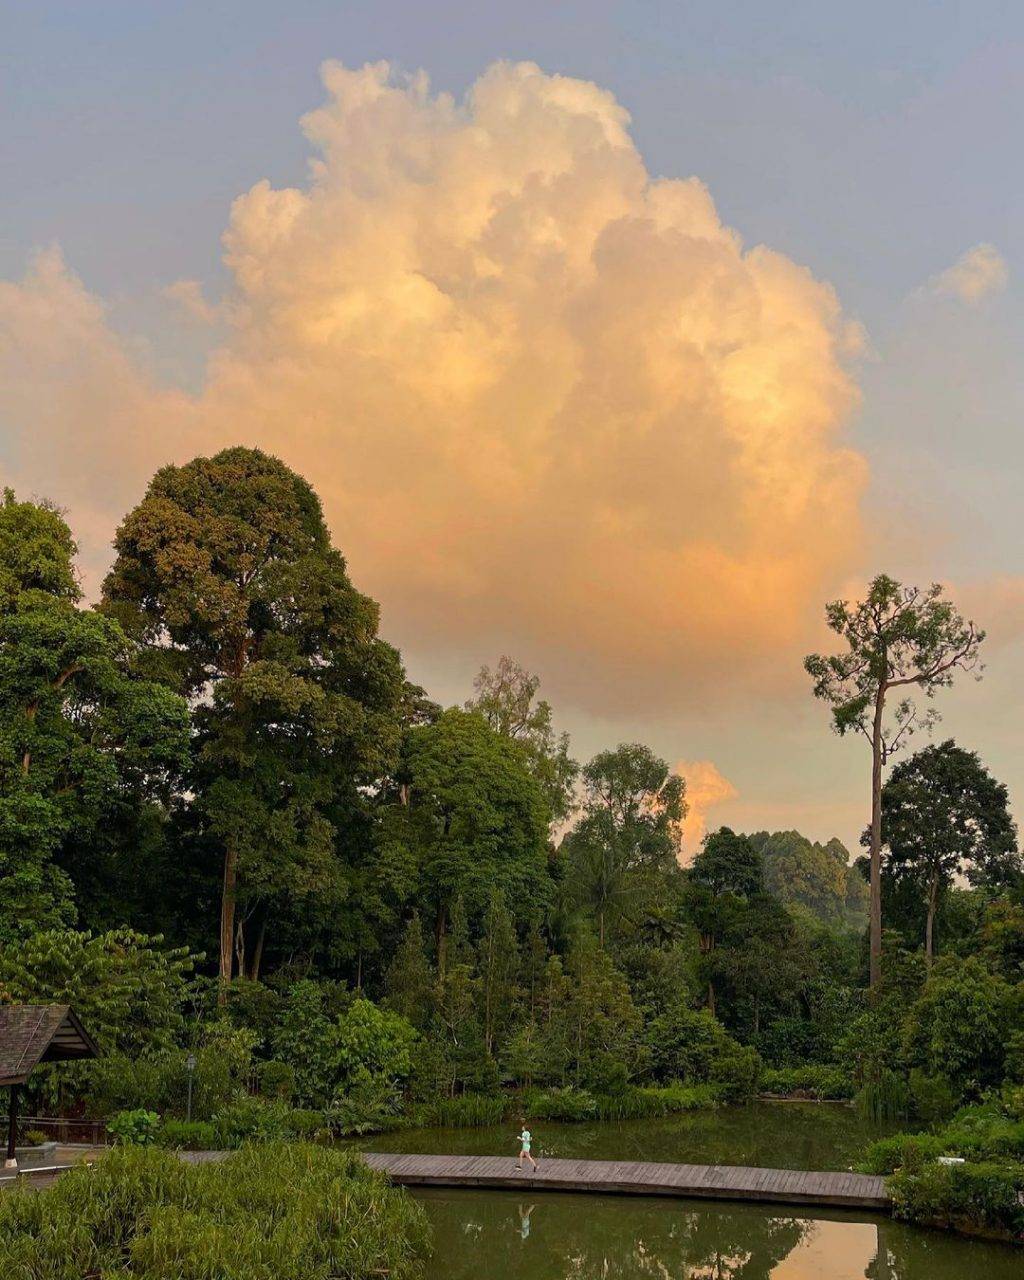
pixel 190 1067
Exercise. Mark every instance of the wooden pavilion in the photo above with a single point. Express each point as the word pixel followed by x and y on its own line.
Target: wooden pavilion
pixel 31 1034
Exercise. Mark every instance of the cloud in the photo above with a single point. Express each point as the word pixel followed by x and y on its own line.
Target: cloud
pixel 976 274
pixel 188 294
pixel 705 788
pixel 552 403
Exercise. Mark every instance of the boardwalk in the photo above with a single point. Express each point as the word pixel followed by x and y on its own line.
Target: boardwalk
pixel 703 1181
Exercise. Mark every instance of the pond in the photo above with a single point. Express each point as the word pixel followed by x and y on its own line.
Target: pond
pixel 497 1235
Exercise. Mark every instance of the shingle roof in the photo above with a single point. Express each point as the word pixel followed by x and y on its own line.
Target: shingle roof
pixel 34 1033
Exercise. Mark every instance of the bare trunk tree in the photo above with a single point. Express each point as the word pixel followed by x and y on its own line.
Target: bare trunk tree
pixel 877 753
pixel 227 919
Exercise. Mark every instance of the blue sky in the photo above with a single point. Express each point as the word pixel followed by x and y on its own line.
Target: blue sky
pixel 873 143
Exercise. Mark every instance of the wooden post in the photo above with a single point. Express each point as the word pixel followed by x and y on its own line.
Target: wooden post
pixel 12 1129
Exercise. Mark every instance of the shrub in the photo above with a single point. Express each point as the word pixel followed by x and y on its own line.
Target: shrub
pixel 134 1128
pixel 276 1080
pixel 642 1104
pixel 34 1138
pixel 290 1212
pixel 902 1150
pixel 188 1135
pixel 561 1104
pixel 815 1080
pixel 884 1100
pixel 252 1120
pixel 736 1071
pixel 471 1110
pixel 933 1097
pixel 976 1198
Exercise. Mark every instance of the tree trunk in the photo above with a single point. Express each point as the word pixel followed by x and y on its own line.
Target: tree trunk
pixel 240 948
pixel 711 998
pixel 227 918
pixel 257 954
pixel 600 920
pixel 439 937
pixel 875 967
pixel 929 928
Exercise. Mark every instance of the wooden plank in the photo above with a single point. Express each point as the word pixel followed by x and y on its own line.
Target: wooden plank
pixel 737 1182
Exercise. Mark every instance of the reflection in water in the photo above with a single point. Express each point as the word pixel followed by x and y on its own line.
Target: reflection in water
pixel 573 1237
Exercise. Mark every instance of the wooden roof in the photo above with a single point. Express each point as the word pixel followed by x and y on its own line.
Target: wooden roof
pixel 35 1033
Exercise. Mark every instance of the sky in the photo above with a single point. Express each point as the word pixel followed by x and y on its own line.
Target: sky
pixel 615 337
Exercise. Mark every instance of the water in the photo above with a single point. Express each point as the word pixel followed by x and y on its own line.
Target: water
pixel 497 1235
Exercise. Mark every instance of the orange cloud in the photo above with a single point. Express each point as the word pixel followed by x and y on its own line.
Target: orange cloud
pixel 552 404
pixel 705 788
pixel 975 274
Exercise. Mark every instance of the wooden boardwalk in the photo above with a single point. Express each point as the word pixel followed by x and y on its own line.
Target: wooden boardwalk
pixel 701 1181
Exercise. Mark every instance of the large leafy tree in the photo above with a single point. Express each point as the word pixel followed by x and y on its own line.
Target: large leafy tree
pixel 726 876
pixel 628 836
pixel 507 699
pixel 816 877
pixel 473 818
pixel 944 816
pixel 79 729
pixel 898 640
pixel 225 573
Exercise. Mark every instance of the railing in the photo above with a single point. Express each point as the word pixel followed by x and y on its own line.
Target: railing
pixel 63 1129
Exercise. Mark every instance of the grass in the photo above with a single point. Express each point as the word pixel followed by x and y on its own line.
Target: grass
pixel 288 1211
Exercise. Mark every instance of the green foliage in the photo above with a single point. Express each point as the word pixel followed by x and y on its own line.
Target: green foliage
pixel 128 989
pixel 945 816
pixel 815 1080
pixel 562 1104
pixel 818 877
pixel 505 697
pixel 189 1135
pixel 226 577
pixel 982 1198
pixel 933 1097
pixel 134 1128
pixel 287 1211
pixel 884 1099
pixel 476 819
pixel 468 1111
pixel 365 1044
pixel 957 1027
pixel 81 734
pixel 622 851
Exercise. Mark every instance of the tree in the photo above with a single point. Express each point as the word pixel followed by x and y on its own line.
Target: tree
pixel 627 839
pixel 505 697
pixel 957 1028
pixel 474 819
pixel 79 728
pixel 897 639
pixel 943 816
pixel 129 990
pixel 409 981
pixel 817 877
pixel 726 875
pixel 499 966
pixel 226 576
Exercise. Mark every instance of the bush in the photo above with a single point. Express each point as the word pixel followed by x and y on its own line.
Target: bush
pixel 824 1083
pixel 252 1120
pixel 34 1138
pixel 902 1150
pixel 975 1198
pixel 290 1212
pixel 642 1104
pixel 471 1110
pixel 884 1100
pixel 188 1135
pixel 134 1128
pixel 735 1072
pixel 933 1097
pixel 277 1080
pixel 562 1104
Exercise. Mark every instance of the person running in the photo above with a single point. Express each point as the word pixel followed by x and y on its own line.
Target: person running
pixel 525 1139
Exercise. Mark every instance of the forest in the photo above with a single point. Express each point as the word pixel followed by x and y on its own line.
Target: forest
pixel 231 828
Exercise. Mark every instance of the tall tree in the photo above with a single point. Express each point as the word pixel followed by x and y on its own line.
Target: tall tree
pixel 943 816
pixel 898 639
pixel 724 878
pixel 226 574
pixel 473 817
pixel 507 699
pixel 628 835
pixel 78 728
